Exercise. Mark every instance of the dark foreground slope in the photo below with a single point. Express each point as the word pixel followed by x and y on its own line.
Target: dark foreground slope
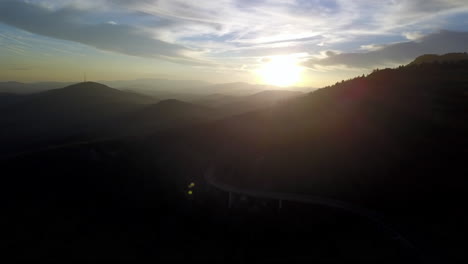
pixel 108 201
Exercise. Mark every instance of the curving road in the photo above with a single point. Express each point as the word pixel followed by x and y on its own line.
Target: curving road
pixel 309 199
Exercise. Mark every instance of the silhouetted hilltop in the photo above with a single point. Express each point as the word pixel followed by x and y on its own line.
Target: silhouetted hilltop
pixel 97 91
pixel 93 87
pixel 76 103
pixel 446 58
pixel 65 112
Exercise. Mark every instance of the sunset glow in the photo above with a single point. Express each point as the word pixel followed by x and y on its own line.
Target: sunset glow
pixel 280 71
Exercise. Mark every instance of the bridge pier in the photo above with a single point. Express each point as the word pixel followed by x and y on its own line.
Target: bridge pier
pixel 280 205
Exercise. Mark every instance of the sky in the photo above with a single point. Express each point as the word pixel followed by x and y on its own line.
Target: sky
pixel 314 42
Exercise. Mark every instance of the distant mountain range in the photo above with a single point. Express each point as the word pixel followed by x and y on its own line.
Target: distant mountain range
pixel 352 133
pixel 185 90
pixel 91 110
pixel 30 114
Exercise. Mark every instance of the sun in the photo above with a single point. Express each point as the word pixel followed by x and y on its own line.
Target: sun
pixel 280 71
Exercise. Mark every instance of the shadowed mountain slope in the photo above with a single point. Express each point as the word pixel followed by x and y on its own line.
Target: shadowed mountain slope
pixel 390 134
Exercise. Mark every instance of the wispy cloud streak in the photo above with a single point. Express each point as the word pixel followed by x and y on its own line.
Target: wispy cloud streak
pixel 206 32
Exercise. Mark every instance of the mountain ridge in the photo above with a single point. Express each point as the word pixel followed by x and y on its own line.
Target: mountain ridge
pixel 444 58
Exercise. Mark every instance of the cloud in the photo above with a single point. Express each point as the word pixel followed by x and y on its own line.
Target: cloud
pixel 299 24
pixel 436 43
pixel 181 30
pixel 415 35
pixel 371 47
pixel 64 23
pixel 330 53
